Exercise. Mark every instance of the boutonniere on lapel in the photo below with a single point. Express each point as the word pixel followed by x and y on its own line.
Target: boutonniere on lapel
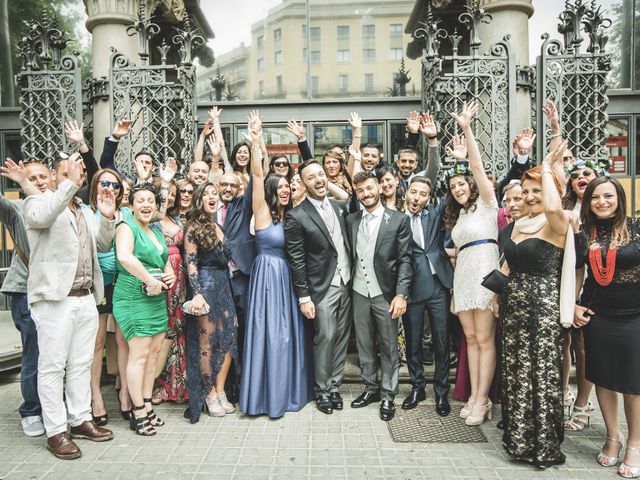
pixel 387 217
pixel 340 212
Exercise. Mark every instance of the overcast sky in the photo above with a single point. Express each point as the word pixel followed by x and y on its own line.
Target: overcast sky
pixel 231 21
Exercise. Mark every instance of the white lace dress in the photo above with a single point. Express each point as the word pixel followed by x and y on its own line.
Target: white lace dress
pixel 475 262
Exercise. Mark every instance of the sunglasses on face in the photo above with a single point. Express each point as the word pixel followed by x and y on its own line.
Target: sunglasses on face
pixel 585 173
pixel 282 163
pixel 184 190
pixel 107 184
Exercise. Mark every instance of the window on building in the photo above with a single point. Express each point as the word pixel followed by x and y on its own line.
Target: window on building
pixel 343 83
pixel 395 30
pixel 277 34
pixel 303 30
pixel 315 33
pixel 260 41
pixel 304 54
pixel 344 31
pixel 315 85
pixel 315 56
pixel 368 54
pixel 368 31
pixel 277 57
pixel 279 84
pixel 395 54
pixel 261 87
pixel 261 64
pixel 343 56
pixel 368 82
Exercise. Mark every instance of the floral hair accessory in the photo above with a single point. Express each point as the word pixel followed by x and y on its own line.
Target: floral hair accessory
pixel 459 169
pixel 601 166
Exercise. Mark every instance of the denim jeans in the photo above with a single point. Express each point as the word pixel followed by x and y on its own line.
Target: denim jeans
pixel 29 371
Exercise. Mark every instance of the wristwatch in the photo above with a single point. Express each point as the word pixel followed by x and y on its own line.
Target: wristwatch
pixel 401 295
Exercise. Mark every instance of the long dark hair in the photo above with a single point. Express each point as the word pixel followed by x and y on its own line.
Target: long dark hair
pixel 400 193
pixel 234 163
pixel 570 197
pixel 273 160
pixel 620 232
pixel 199 223
pixel 452 207
pixel 271 196
pixel 93 190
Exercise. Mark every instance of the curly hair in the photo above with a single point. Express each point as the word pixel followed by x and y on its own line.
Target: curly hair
pixel 452 207
pixel 145 187
pixel 271 196
pixel 201 224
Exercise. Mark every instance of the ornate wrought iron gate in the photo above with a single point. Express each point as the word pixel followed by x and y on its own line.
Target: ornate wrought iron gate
pixel 488 78
pixel 162 111
pixel 50 90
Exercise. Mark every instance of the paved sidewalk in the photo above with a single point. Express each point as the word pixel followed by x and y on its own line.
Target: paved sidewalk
pixel 351 444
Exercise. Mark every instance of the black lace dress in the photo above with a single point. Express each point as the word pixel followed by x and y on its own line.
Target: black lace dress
pixel 209 337
pixel 612 337
pixel 532 353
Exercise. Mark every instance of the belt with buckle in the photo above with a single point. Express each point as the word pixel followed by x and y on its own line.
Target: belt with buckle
pixel 79 292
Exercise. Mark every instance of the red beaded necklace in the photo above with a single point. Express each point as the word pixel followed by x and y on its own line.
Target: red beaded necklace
pixel 603 274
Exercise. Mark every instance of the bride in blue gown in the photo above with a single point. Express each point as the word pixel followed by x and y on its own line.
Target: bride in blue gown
pixel 277 361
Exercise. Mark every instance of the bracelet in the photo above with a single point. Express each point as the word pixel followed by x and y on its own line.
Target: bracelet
pixel 547 171
pixel 553 135
pixel 435 137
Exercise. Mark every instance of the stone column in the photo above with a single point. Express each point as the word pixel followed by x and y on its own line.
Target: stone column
pixel 511 17
pixel 108 21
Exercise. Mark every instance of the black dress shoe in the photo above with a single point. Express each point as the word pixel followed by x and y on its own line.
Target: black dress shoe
pixel 336 400
pixel 365 399
pixel 442 406
pixel 413 398
pixel 387 410
pixel 323 403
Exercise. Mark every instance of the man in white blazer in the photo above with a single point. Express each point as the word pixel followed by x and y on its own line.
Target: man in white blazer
pixel 64 284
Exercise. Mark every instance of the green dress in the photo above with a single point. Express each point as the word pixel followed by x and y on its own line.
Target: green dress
pixel 138 314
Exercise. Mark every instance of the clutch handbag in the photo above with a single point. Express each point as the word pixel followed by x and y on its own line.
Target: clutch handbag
pixel 495 281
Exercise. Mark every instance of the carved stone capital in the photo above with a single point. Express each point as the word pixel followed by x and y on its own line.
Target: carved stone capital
pixel 110 11
pixel 490 6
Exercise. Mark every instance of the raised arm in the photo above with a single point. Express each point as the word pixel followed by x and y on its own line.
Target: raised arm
pixel 17 172
pixel 214 114
pixel 464 118
pixel 298 130
pixel 428 129
pixel 207 130
pixel 413 128
pixel 557 217
pixel 356 126
pixel 166 175
pixel 260 208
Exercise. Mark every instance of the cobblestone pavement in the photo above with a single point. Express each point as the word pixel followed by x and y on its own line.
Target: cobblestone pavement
pixel 351 444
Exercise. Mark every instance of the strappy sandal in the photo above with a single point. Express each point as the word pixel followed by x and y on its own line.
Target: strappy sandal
pixel 610 460
pixel 569 401
pixel 141 425
pixel 576 422
pixel 633 472
pixel 154 419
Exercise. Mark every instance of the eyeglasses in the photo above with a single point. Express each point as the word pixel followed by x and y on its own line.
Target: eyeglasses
pixel 282 163
pixel 585 173
pixel 114 185
pixel 226 184
pixel 186 190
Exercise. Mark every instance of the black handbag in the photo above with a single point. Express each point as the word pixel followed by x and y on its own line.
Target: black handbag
pixel 495 281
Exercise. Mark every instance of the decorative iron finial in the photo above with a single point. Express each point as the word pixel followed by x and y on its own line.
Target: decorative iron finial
pixel 145 29
pixel 43 45
pixel 163 49
pixel 455 38
pixel 594 25
pixel 571 22
pixel 187 38
pixel 431 32
pixel 472 18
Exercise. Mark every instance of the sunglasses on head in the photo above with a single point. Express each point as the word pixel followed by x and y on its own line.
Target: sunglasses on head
pixel 585 173
pixel 186 190
pixel 281 163
pixel 114 185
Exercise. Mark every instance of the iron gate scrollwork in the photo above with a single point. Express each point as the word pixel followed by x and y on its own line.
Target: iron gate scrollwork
pixel 576 79
pixel 162 110
pixel 488 78
pixel 50 89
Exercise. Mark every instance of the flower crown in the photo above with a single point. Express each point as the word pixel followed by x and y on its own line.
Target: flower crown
pixel 601 166
pixel 460 168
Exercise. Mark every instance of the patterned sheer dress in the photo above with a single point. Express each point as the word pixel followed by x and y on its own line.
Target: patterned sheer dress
pixel 532 353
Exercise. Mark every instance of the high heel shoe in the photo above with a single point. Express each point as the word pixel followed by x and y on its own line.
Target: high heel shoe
pixel 466 410
pixel 569 401
pixel 226 405
pixel 610 460
pixel 141 425
pixel 154 419
pixel 99 420
pixel 633 472
pixel 126 414
pixel 580 417
pixel 214 407
pixel 479 413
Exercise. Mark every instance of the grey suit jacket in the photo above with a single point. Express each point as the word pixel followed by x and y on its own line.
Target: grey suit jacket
pixel 53 239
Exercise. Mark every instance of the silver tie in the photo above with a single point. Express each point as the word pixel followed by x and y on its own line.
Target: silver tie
pixel 416 229
pixel 328 216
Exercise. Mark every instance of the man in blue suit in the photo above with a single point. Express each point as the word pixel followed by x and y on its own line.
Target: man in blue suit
pixel 430 286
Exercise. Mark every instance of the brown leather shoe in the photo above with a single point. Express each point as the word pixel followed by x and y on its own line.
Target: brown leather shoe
pixel 63 447
pixel 90 431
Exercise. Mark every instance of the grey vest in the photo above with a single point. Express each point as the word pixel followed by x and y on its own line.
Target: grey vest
pixel 365 282
pixel 342 266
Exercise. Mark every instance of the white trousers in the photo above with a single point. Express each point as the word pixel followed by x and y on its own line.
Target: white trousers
pixel 66 338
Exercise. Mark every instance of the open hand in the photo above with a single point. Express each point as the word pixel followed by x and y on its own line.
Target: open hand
pixel 214 113
pixel 555 156
pixel 463 119
pixel 142 170
pixel 121 129
pixel 524 141
pixel 15 172
pixel 413 122
pixel 106 203
pixel 296 128
pixel 169 170
pixel 75 171
pixel 354 153
pixel 355 121
pixel 428 125
pixel 458 148
pixel 74 132
pixel 551 112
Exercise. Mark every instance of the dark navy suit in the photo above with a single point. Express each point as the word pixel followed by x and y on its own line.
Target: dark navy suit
pixel 429 292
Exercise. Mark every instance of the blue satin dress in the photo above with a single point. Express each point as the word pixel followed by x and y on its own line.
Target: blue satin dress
pixel 277 365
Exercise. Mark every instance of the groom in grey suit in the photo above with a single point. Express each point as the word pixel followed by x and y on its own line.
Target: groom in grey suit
pixel 380 242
